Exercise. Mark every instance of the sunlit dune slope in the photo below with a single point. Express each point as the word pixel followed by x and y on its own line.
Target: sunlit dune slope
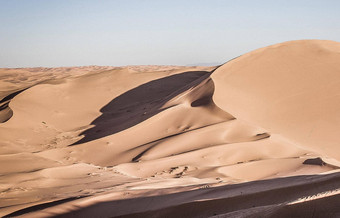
pixel 290 88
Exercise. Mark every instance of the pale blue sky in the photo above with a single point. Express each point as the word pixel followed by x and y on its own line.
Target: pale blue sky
pixel 55 33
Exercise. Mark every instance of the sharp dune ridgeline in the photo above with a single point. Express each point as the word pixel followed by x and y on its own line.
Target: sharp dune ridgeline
pixel 255 137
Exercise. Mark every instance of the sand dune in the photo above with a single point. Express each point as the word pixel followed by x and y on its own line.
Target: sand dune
pixel 258 134
pixel 293 88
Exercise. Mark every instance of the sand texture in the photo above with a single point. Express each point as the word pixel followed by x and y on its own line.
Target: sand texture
pixel 255 137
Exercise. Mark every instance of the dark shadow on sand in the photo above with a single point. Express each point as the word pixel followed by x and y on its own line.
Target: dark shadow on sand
pixel 5 111
pixel 42 206
pixel 256 196
pixel 139 104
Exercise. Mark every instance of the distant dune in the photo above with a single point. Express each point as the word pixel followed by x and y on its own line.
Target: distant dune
pixel 208 64
pixel 255 137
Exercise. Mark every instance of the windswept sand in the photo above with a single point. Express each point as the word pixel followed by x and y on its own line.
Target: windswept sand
pixel 255 137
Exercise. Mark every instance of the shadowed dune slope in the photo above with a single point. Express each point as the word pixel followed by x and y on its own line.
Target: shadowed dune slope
pixel 298 196
pixel 5 111
pixel 139 104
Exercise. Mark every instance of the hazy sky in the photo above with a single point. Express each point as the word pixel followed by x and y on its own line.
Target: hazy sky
pixel 132 32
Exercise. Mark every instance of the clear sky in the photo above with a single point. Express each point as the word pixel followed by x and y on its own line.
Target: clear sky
pixel 55 33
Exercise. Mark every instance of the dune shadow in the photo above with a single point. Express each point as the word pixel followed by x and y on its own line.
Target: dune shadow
pixel 42 206
pixel 264 198
pixel 5 111
pixel 139 104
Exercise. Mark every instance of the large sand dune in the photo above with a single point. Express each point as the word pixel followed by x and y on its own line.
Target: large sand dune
pixel 256 136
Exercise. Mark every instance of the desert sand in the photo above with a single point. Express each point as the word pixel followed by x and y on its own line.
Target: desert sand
pixel 255 137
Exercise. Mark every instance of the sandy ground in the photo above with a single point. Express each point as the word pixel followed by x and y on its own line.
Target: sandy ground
pixel 255 137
